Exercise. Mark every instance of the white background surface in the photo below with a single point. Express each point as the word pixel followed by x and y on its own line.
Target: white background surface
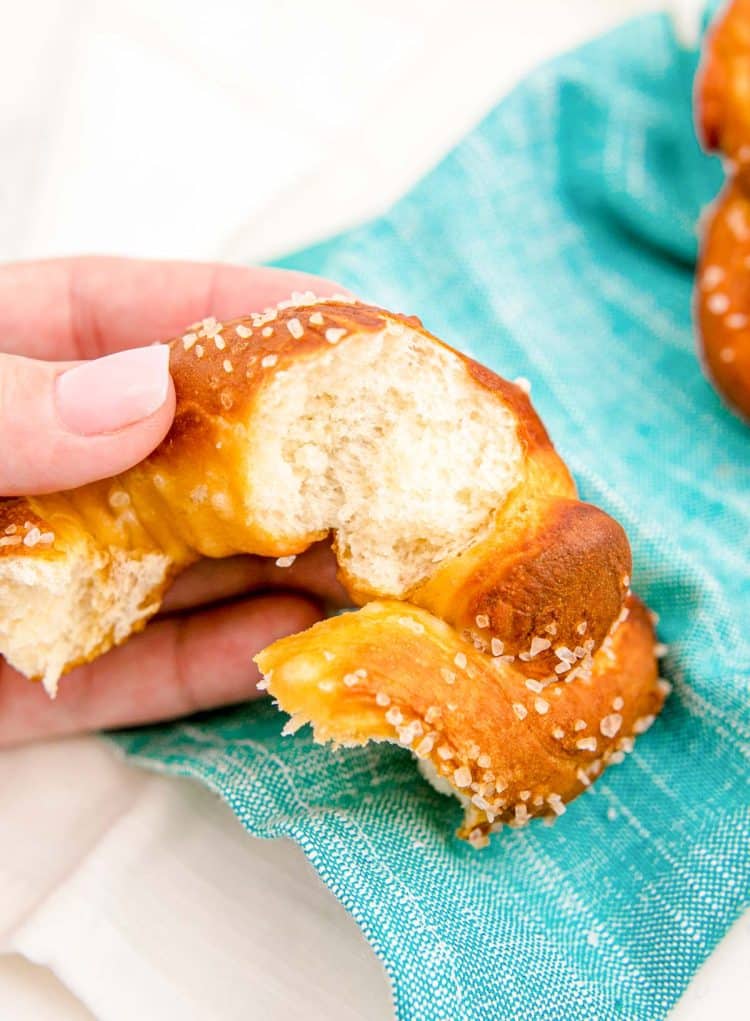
pixel 235 131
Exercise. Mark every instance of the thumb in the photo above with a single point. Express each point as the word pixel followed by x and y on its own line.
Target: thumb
pixel 65 424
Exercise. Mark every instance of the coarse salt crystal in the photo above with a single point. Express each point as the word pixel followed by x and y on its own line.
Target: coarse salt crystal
pixel 334 335
pixel 425 746
pixel 712 276
pixel 610 724
pixel 555 802
pixel 406 735
pixel 119 498
pixel 538 645
pixel 717 303
pixel 296 328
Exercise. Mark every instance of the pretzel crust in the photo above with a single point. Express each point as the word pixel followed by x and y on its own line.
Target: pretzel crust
pixel 513 748
pixel 513 651
pixel 722 296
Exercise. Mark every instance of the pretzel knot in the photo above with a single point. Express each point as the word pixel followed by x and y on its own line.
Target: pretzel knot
pixel 722 294
pixel 497 637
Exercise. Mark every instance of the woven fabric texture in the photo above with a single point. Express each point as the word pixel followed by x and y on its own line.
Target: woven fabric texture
pixel 557 242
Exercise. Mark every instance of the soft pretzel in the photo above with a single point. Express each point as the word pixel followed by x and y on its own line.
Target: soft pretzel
pixel 509 746
pixel 723 278
pixel 486 585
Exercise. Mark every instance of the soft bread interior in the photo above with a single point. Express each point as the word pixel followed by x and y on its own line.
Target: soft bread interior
pixel 55 611
pixel 387 440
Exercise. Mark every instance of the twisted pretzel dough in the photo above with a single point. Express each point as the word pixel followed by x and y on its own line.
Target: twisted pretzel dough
pixel 722 293
pixel 498 637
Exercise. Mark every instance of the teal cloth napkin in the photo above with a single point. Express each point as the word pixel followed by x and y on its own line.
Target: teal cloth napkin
pixel 557 241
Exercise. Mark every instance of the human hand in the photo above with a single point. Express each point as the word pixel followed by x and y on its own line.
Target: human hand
pixel 73 408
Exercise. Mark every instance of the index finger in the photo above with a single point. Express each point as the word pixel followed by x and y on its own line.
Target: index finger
pixel 90 306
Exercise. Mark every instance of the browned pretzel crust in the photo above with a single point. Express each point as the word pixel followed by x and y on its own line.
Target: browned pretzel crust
pixel 722 297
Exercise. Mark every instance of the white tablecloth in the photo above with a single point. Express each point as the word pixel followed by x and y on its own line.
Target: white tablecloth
pixel 148 129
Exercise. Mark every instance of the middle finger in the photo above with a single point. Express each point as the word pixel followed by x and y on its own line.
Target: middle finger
pixel 211 581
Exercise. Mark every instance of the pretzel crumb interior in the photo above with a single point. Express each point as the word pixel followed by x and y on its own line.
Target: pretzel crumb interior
pixel 383 439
